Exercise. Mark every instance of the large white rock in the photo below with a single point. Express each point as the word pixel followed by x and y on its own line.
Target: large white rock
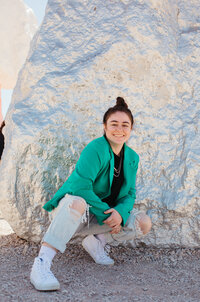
pixel 17 27
pixel 85 55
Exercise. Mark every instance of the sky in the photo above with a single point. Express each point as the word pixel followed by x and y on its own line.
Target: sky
pixel 38 7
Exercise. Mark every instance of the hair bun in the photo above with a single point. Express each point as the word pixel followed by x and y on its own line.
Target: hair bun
pixel 120 106
pixel 120 102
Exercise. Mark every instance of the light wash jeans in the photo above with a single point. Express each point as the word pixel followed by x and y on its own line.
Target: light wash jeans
pixel 67 222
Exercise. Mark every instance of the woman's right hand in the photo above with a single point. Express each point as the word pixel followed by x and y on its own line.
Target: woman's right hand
pixel 113 221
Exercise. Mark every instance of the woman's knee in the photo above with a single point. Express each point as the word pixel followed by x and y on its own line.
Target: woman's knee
pixel 79 205
pixel 144 223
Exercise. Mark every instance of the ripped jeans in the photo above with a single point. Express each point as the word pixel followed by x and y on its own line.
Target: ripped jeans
pixel 67 222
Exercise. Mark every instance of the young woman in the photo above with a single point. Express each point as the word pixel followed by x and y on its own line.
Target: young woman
pixel 102 184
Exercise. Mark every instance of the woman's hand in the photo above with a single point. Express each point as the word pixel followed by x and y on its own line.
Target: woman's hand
pixel 116 229
pixel 113 221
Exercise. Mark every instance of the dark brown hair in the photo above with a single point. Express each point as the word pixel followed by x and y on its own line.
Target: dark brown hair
pixel 120 106
pixel 2 125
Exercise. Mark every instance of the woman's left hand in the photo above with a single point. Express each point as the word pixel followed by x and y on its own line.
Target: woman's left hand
pixel 116 229
pixel 114 220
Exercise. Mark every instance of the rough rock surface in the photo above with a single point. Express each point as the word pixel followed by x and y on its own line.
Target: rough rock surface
pixel 86 54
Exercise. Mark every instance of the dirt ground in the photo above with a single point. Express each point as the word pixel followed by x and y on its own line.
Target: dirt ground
pixel 139 274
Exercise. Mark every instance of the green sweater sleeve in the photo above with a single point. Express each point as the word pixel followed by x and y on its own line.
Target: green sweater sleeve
pixel 80 183
pixel 125 204
pixel 86 171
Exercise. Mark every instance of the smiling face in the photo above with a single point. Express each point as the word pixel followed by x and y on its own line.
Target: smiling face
pixel 118 129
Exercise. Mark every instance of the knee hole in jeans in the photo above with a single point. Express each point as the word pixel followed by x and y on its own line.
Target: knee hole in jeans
pixel 144 223
pixel 79 205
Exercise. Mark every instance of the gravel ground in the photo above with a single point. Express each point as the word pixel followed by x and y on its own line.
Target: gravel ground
pixel 139 274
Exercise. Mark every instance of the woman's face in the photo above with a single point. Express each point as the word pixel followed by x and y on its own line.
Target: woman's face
pixel 118 128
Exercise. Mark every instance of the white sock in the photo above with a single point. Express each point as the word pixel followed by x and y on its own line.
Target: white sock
pixel 47 253
pixel 102 238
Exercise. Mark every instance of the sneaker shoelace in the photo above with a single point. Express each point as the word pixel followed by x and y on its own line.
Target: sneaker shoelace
pixel 103 251
pixel 107 249
pixel 45 272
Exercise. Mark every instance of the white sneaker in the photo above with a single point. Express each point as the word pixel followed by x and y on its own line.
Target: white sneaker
pixel 42 277
pixel 94 247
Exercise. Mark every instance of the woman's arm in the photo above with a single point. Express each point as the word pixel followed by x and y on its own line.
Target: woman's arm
pixel 86 171
pixel 80 183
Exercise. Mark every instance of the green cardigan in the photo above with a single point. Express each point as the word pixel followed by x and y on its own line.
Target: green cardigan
pixel 92 180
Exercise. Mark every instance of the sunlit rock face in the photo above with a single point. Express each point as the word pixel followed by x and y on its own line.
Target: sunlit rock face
pixel 85 55
pixel 17 27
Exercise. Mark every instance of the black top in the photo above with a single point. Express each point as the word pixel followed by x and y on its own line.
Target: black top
pixel 1 143
pixel 117 181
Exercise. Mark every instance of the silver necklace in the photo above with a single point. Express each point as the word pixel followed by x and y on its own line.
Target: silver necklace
pixel 117 171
